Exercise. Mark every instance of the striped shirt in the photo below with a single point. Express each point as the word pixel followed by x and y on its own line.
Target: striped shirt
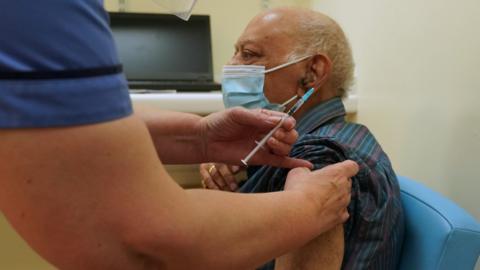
pixel 374 231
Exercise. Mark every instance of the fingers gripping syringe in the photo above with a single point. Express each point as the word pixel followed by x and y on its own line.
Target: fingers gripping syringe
pixel 290 112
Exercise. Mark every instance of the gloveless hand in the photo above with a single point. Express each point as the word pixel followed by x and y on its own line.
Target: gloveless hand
pixel 219 176
pixel 231 134
pixel 328 188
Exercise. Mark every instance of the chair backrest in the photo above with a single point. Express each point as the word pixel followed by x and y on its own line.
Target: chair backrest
pixel 439 235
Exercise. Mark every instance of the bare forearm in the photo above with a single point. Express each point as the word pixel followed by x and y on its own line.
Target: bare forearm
pixel 174 134
pixel 249 229
pixel 116 206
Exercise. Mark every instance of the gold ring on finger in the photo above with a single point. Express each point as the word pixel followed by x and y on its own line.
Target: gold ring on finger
pixel 212 167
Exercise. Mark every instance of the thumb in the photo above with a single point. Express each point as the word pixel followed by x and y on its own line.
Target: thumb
pixel 347 168
pixel 298 172
pixel 280 161
pixel 235 169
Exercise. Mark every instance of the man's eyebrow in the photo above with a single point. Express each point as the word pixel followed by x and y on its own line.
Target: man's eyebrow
pixel 244 42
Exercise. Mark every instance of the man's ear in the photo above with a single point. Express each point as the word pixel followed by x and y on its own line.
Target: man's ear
pixel 319 70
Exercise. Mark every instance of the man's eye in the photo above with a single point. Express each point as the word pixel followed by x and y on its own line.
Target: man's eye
pixel 246 55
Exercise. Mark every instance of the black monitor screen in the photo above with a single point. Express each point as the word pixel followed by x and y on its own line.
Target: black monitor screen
pixel 159 47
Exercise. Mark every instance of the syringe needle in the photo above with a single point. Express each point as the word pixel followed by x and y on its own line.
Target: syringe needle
pixel 290 112
pixel 263 141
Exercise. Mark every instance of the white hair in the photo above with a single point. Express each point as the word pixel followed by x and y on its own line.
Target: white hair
pixel 314 36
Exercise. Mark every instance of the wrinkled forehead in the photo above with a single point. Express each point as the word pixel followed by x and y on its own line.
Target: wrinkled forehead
pixel 271 33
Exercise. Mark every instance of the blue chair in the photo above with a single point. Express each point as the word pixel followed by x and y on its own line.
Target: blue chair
pixel 439 235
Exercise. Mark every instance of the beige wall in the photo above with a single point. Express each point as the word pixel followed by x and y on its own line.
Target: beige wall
pixel 15 254
pixel 418 65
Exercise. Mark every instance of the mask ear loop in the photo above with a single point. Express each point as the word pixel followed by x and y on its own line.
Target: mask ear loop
pixel 287 64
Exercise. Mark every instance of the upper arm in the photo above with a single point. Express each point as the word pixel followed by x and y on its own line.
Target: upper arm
pixel 326 251
pixel 322 253
pixel 74 193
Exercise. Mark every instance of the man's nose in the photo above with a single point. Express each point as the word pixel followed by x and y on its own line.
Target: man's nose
pixel 235 60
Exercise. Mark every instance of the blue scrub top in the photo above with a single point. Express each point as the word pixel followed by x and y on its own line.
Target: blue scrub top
pixel 58 65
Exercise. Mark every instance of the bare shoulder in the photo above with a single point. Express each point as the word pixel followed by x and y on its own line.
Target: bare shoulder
pixel 67 190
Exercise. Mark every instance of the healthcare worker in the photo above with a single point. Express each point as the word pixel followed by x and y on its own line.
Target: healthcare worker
pixel 80 173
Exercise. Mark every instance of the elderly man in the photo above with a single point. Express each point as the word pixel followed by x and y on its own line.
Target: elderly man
pixel 300 50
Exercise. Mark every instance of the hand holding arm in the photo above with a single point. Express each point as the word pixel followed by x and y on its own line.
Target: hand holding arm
pixel 117 207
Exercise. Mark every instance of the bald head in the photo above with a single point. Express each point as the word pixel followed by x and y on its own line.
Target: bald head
pixel 295 32
pixel 290 18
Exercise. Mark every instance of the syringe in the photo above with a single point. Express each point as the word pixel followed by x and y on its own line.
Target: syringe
pixel 289 113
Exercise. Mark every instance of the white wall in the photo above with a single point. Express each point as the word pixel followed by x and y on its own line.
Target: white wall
pixel 418 77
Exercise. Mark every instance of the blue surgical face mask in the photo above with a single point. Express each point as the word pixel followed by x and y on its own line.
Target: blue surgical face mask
pixel 242 85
